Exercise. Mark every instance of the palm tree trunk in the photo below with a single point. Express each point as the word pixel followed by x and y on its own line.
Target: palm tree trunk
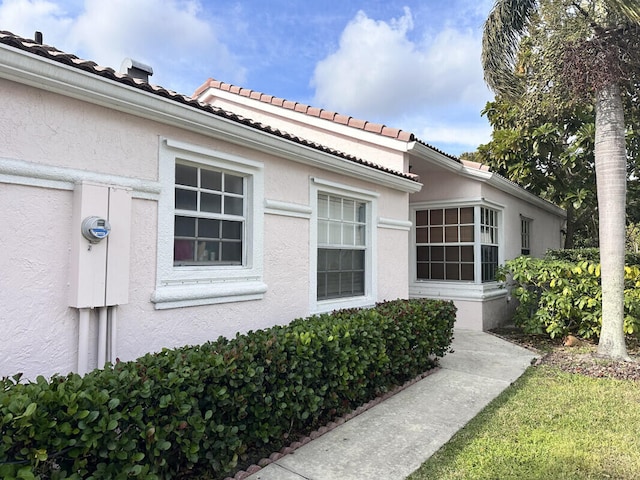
pixel 611 163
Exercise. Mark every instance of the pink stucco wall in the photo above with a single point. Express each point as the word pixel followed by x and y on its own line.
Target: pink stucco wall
pixel 40 331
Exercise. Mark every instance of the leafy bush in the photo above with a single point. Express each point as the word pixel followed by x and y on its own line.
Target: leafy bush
pixel 559 297
pixel 576 255
pixel 206 408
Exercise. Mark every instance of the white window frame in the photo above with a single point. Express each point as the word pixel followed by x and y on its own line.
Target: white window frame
pixel 459 289
pixel 191 285
pixel 369 298
pixel 525 235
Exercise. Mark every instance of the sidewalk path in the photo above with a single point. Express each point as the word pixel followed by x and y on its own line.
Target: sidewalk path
pixel 392 439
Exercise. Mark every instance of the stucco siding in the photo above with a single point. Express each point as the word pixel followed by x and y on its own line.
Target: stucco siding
pixel 55 140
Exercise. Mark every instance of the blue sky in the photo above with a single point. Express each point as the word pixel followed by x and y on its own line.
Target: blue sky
pixel 412 64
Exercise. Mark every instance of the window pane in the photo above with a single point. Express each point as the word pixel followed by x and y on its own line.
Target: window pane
pixel 362 213
pixel 423 271
pixel 186 199
pixel 452 271
pixel 466 271
pixel 466 253
pixel 348 234
pixel 233 184
pixel 422 254
pixel 333 285
pixel 422 235
pixel 335 234
pixel 323 231
pixel 335 208
pixel 435 235
pixel 361 231
pixel 358 283
pixel 346 260
pixel 210 202
pixel 452 254
pixel 185 227
pixel 437 254
pixel 183 250
pixel 233 205
pixel 348 210
pixel 321 289
pixel 451 216
pixel 208 228
pixel 323 206
pixel 358 260
pixel 437 271
pixel 436 217
pixel 346 284
pixel 466 233
pixel 186 175
pixel 466 215
pixel 422 217
pixel 322 260
pixel 333 260
pixel 231 252
pixel 204 251
pixel 232 230
pixel 211 180
pixel 451 234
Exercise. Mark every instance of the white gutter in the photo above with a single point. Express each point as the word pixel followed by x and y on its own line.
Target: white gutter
pixel 491 178
pixel 45 74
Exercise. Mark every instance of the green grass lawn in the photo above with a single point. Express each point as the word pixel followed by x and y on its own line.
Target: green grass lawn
pixel 549 425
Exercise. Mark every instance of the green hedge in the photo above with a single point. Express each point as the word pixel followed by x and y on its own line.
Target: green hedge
pixel 208 408
pixel 558 297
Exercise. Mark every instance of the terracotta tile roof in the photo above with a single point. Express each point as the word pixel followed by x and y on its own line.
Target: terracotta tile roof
pixel 365 125
pixel 52 53
pixel 309 110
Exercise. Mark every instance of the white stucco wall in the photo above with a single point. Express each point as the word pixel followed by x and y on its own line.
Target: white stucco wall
pixel 55 139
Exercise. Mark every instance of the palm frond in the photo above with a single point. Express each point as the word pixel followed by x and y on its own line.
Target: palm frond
pixel 503 30
pixel 626 8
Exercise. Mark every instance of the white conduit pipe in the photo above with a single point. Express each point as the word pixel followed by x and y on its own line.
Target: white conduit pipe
pixel 113 318
pixel 83 340
pixel 102 336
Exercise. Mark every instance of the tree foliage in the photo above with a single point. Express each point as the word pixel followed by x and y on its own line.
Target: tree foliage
pixel 580 51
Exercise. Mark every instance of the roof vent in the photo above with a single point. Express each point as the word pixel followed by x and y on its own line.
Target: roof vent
pixel 136 69
pixel 38 38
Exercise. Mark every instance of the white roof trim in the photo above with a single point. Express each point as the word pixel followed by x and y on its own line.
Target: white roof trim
pixel 46 74
pixel 491 178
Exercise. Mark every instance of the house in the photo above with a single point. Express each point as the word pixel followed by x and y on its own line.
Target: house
pixel 464 222
pixel 135 218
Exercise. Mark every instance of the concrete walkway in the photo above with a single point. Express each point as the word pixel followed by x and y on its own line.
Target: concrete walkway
pixel 392 439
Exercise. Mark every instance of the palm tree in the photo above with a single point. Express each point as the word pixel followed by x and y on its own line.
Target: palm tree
pixel 599 53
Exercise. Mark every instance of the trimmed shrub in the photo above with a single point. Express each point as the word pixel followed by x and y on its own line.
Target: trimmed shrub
pixel 576 255
pixel 208 408
pixel 558 297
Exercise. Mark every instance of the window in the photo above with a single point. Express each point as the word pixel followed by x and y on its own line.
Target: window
pixel 210 227
pixel 209 217
pixel 489 244
pixel 525 235
pixel 341 247
pixel 450 239
pixel 343 241
pixel 445 239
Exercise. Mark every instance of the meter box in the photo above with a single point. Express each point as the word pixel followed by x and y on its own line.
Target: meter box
pixel 100 246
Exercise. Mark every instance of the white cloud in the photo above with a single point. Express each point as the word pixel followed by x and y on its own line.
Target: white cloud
pixel 379 74
pixel 172 36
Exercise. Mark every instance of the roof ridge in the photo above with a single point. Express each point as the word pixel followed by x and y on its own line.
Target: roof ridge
pixel 318 112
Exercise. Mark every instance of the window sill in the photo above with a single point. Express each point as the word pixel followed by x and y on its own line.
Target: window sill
pixel 325 306
pixel 457 290
pixel 179 295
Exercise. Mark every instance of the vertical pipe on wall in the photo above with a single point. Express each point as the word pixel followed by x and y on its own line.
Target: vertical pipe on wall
pixel 113 319
pixel 102 336
pixel 84 318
